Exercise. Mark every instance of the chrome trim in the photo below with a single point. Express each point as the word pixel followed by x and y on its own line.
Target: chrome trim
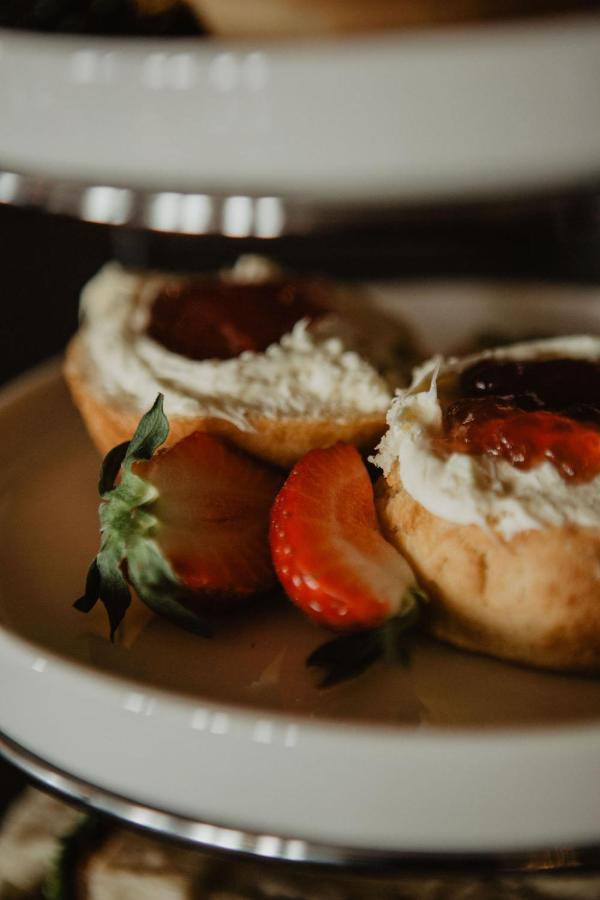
pixel 185 212
pixel 248 216
pixel 223 838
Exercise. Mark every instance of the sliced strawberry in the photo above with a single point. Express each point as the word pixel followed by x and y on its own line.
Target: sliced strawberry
pixel 212 514
pixel 327 548
pixel 187 526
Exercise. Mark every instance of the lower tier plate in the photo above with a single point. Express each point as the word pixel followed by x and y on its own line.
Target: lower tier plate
pixel 228 742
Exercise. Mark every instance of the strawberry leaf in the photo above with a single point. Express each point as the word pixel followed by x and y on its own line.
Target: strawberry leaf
pixel 352 654
pixel 111 465
pixel 157 585
pixel 114 590
pixel 151 432
pixel 92 589
pixel 346 656
pixel 418 594
pixel 105 582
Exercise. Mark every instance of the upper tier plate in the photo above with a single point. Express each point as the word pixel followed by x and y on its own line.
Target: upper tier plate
pixel 422 117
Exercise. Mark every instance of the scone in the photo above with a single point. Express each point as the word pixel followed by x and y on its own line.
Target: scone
pixel 491 490
pixel 268 18
pixel 277 365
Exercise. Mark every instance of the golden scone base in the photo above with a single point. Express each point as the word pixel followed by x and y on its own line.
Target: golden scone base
pixel 271 18
pixel 533 599
pixel 279 441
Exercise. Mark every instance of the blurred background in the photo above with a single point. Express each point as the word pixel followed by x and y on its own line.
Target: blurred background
pixel 47 259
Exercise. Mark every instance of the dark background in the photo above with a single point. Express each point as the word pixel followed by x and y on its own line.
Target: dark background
pixel 45 259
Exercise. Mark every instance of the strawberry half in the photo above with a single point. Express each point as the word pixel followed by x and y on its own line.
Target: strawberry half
pixel 186 527
pixel 335 564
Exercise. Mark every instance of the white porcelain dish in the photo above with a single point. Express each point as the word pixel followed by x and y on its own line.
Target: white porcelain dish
pixel 421 117
pixel 454 755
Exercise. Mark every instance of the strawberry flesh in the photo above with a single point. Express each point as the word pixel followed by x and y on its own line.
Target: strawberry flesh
pixel 212 514
pixel 327 548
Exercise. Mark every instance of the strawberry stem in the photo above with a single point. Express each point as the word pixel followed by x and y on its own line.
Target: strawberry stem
pixel 128 553
pixel 352 654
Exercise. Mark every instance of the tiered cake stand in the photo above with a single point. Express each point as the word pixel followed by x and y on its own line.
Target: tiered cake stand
pixel 455 761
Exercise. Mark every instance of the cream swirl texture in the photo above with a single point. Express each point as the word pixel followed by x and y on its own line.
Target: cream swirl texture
pixel 478 489
pixel 310 373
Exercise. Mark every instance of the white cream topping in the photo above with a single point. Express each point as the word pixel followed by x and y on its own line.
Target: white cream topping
pixel 310 373
pixel 480 490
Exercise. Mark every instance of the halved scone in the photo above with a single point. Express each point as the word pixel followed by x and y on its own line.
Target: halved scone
pixel 278 365
pixel 491 490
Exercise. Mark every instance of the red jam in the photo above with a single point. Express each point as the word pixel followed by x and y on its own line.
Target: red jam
pixel 216 319
pixel 528 413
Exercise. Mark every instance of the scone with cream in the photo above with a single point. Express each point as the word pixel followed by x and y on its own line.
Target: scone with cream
pixel 278 365
pixel 491 490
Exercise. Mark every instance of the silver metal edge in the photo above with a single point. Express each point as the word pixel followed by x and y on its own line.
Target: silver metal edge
pixel 228 839
pixel 183 211
pixel 170 211
pixel 248 216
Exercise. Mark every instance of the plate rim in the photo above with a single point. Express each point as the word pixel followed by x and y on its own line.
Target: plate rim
pixel 228 839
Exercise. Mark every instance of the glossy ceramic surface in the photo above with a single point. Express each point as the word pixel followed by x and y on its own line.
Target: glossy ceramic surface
pixel 425 116
pixel 455 754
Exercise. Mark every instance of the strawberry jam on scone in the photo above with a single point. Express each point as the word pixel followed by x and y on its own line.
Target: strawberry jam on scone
pixel 276 364
pixel 491 489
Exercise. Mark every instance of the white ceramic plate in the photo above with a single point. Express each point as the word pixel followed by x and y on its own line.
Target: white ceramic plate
pixel 446 114
pixel 455 754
